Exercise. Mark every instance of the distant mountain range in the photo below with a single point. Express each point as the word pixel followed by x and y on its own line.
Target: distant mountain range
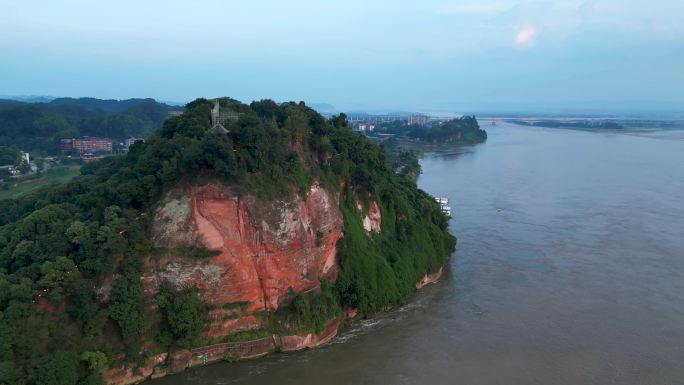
pixel 29 98
pixel 48 99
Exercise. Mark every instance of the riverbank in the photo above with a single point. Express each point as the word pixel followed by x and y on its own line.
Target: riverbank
pixel 162 365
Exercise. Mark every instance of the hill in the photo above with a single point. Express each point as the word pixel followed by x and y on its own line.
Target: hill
pixel 465 130
pixel 38 127
pixel 270 234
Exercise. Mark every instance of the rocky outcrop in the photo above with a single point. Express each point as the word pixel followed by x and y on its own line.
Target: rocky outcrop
pixel 430 278
pixel 373 220
pixel 265 249
pixel 131 375
pixel 308 341
pixel 162 365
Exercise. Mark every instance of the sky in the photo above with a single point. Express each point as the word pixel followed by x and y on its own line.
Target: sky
pixel 421 55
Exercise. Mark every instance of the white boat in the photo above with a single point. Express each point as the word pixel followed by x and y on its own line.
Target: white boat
pixel 444 204
pixel 446 210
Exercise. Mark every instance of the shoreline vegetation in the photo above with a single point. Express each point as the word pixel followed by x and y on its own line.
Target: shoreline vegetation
pixel 405 144
pixel 596 124
pixel 581 124
pixel 72 303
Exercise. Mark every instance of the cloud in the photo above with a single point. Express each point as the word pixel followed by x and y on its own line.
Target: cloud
pixel 525 36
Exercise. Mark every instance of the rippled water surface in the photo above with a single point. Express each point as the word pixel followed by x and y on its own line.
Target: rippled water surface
pixel 569 270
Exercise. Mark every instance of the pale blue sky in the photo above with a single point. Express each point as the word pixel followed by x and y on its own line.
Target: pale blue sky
pixel 449 55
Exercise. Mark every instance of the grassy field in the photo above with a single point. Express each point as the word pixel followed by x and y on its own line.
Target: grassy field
pixel 19 187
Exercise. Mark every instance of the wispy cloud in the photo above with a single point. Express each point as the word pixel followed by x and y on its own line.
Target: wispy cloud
pixel 525 36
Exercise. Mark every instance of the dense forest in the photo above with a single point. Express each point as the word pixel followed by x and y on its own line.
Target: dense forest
pixel 58 246
pixel 8 155
pixel 38 127
pixel 464 130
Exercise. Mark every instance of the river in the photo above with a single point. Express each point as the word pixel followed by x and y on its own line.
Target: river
pixel 569 270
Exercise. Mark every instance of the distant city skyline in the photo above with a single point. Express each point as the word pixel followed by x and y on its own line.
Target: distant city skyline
pixel 599 56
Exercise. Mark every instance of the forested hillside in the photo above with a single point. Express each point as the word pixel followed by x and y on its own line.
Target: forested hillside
pixel 38 127
pixel 59 247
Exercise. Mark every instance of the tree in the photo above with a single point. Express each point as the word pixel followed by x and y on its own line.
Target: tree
pixel 8 156
pixel 61 368
pixel 24 167
pixel 97 361
pixel 57 276
pixel 126 306
pixel 40 164
pixel 78 232
pixel 4 173
pixel 185 313
pixel 339 121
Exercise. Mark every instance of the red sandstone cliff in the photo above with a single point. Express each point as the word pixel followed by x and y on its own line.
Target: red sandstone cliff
pixel 265 248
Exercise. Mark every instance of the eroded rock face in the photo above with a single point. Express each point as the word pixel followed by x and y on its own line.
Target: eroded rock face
pixel 265 249
pixel 429 279
pixel 373 221
pixel 132 375
pixel 179 360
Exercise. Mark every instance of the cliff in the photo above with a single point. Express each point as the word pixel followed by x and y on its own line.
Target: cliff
pixel 265 250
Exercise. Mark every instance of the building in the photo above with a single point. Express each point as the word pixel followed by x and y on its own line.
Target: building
pixel 89 144
pixel 86 145
pixel 66 145
pixel 11 170
pixel 418 119
pixel 364 117
pixel 129 142
pixel 366 127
